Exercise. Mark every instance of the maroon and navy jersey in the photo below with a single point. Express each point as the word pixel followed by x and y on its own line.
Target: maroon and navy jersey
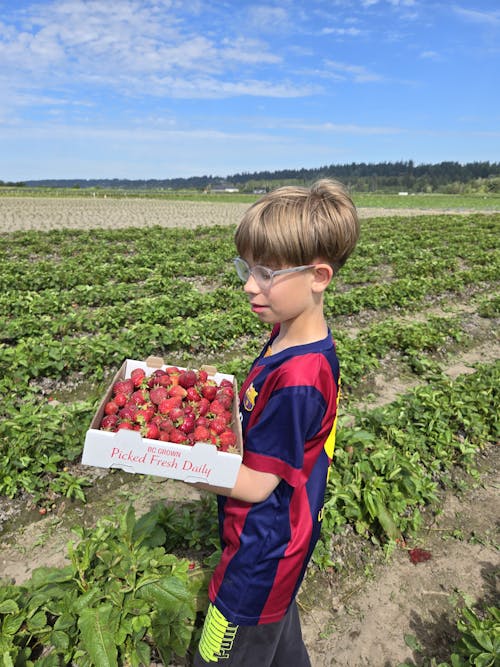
pixel 288 405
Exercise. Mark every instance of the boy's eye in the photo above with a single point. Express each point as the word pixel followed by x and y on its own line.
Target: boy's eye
pixel 262 274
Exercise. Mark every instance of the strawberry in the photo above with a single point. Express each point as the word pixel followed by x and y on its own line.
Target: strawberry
pixel 168 404
pixel 177 436
pixel 111 408
pixel 109 422
pixel 140 396
pixel 218 426
pixel 137 376
pixel 166 425
pixel 177 415
pixel 151 431
pixel 158 394
pixel 216 407
pixel 128 412
pixel 164 436
pixel 125 425
pixel 203 406
pixel 202 376
pixel 123 387
pixel 192 395
pixel 145 414
pixel 187 379
pixel 226 383
pixel 187 425
pixel 224 399
pixel 225 389
pixel 177 390
pixel 201 434
pixel 209 390
pixel 173 373
pixel 159 378
pixel 203 421
pixel 227 439
pixel 120 400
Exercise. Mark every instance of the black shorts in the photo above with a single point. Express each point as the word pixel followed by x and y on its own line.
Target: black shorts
pixel 269 645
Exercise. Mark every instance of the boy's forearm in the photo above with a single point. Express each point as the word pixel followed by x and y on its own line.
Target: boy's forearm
pixel 251 486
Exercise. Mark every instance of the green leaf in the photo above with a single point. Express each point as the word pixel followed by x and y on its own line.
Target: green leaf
pixel 9 607
pixel 97 636
pixel 413 643
pixel 167 593
pixel 386 521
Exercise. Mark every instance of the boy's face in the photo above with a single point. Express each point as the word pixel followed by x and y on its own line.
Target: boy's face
pixel 291 295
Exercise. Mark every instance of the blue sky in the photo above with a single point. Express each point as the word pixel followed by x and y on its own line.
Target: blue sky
pixel 179 88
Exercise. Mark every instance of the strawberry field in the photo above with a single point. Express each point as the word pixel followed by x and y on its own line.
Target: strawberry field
pixel 419 295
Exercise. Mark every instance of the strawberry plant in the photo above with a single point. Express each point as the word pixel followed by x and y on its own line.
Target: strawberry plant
pixel 122 600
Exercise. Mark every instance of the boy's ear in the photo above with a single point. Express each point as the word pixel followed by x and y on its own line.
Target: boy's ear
pixel 323 274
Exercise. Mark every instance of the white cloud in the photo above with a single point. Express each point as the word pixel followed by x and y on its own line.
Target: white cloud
pixel 491 19
pixel 358 73
pixel 430 55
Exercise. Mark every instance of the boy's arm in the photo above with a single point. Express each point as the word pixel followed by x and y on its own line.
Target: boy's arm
pixel 251 486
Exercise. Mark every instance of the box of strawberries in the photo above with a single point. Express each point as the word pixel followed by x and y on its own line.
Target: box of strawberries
pixel 168 421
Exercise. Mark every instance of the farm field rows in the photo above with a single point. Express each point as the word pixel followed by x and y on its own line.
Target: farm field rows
pixel 415 316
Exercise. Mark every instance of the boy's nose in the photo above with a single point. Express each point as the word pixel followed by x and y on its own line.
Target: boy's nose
pixel 251 286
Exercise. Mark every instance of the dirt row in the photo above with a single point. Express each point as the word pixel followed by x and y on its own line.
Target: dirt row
pixel 46 213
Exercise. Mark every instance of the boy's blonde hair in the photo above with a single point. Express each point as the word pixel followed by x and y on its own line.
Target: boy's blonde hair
pixel 294 226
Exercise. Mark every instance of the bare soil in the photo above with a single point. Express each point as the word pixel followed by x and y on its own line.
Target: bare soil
pixel 46 213
pixel 357 614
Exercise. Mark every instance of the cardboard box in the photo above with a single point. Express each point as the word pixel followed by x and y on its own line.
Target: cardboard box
pixel 129 451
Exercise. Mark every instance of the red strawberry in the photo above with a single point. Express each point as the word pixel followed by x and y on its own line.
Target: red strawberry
pixel 201 434
pixel 140 396
pixel 218 426
pixel 169 403
pixel 177 436
pixel 109 422
pixel 226 383
pixel 224 399
pixel 216 407
pixel 151 431
pixel 227 439
pixel 158 394
pixel 145 414
pixel 159 378
pixel 166 425
pixel 120 400
pixel 187 379
pixel 203 406
pixel 192 394
pixel 177 390
pixel 126 425
pixel 202 376
pixel 111 408
pixel 177 415
pixel 187 425
pixel 164 436
pixel 173 373
pixel 137 376
pixel 123 387
pixel 209 390
pixel 203 421
pixel 128 412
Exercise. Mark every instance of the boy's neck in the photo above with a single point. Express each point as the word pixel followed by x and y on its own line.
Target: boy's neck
pixel 291 335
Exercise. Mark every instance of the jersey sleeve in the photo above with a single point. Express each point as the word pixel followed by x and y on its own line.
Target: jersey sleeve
pixel 275 442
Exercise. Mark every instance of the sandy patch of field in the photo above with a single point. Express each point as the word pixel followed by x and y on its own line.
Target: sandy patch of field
pixel 46 213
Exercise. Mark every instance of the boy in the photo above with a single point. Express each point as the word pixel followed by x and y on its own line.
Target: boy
pixel 291 243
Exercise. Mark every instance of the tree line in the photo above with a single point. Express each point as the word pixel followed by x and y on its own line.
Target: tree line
pixel 451 177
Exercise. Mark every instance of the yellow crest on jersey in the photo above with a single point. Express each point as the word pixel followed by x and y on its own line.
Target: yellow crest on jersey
pixel 249 398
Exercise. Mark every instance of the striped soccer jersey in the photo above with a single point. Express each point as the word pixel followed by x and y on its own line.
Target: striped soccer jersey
pixel 288 405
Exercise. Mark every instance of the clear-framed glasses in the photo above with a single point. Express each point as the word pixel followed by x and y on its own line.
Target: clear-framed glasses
pixel 263 276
